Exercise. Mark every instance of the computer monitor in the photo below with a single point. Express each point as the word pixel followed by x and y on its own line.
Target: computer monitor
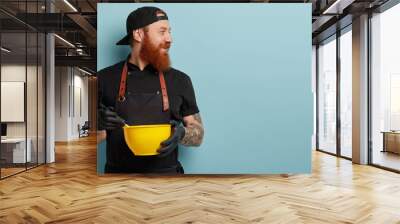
pixel 3 129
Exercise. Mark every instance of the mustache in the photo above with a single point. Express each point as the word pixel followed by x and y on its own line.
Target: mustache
pixel 165 45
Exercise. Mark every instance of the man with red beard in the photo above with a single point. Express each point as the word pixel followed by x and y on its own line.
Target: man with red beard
pixel 145 89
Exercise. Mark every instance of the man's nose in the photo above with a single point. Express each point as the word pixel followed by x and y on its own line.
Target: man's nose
pixel 168 38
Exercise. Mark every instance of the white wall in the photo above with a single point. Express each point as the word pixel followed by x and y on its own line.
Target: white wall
pixel 71 93
pixel 61 103
pixel 80 100
pixel 34 125
pixel 15 72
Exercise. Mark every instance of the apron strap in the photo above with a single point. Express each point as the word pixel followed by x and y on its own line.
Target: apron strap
pixel 122 87
pixel 164 91
pixel 122 84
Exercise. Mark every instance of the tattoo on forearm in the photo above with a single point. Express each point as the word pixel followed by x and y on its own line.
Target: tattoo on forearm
pixel 194 132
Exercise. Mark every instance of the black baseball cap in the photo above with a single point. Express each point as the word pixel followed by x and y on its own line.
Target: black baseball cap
pixel 140 18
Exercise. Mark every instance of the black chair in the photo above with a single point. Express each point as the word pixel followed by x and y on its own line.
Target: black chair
pixel 84 130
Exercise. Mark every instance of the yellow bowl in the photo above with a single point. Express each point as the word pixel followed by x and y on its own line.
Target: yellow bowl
pixel 144 140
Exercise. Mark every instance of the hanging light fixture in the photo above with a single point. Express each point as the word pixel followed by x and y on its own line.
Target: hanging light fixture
pixel 5 50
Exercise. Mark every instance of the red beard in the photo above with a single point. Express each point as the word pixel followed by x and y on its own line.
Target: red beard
pixel 153 54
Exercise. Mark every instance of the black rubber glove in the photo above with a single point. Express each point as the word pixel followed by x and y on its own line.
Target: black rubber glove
pixel 109 119
pixel 171 144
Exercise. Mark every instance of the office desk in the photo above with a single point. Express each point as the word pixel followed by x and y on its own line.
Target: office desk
pixel 13 150
pixel 391 141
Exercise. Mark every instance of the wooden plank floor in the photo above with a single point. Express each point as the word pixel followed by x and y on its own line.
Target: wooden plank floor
pixel 10 171
pixel 69 191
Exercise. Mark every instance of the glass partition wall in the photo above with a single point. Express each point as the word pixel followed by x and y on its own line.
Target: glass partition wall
pixel 22 66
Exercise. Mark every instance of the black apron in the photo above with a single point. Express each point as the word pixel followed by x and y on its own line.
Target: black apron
pixel 139 109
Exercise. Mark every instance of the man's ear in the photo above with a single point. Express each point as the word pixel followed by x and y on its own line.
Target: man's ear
pixel 138 35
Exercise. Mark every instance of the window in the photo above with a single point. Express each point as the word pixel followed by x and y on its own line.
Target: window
pixel 327 95
pixel 385 89
pixel 346 93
